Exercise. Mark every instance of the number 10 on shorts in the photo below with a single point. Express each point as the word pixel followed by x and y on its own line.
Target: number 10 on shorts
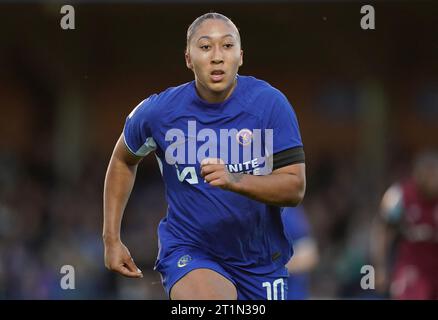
pixel 273 289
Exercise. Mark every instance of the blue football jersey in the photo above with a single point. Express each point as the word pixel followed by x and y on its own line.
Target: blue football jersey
pixel 245 130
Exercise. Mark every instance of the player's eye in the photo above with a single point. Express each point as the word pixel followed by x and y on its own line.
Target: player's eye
pixel 205 47
pixel 228 45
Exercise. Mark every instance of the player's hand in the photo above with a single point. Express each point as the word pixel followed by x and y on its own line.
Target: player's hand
pixel 216 173
pixel 118 259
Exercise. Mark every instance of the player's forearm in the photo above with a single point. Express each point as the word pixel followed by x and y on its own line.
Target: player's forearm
pixel 382 238
pixel 282 189
pixel 119 181
pixel 379 243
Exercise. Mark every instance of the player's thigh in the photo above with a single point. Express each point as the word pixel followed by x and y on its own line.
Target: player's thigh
pixel 203 284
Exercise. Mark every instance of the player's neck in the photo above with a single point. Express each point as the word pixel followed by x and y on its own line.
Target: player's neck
pixel 212 96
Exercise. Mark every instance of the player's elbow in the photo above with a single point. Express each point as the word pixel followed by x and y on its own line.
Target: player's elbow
pixel 293 184
pixel 295 197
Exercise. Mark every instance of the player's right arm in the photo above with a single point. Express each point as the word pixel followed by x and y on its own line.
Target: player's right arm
pixel 119 181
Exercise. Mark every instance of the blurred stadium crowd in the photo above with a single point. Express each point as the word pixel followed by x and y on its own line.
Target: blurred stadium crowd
pixel 64 97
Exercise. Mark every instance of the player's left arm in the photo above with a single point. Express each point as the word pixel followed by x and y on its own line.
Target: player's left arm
pixel 285 186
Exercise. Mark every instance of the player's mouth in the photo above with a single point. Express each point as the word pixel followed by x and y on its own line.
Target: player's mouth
pixel 217 75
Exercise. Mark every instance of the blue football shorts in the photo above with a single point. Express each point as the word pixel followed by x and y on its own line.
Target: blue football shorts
pixel 250 285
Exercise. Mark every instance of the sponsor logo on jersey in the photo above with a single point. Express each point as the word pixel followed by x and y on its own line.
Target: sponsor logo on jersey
pixel 184 260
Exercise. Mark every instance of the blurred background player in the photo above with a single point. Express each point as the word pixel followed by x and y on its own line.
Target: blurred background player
pixel 405 236
pixel 305 256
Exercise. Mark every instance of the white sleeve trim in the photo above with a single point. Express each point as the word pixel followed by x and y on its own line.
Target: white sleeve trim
pixel 149 146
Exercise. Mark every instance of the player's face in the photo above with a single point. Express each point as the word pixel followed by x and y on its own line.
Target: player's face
pixel 214 55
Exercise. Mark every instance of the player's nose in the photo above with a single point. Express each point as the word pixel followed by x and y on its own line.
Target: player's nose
pixel 217 56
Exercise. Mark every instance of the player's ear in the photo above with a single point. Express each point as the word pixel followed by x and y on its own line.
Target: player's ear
pixel 241 58
pixel 188 60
